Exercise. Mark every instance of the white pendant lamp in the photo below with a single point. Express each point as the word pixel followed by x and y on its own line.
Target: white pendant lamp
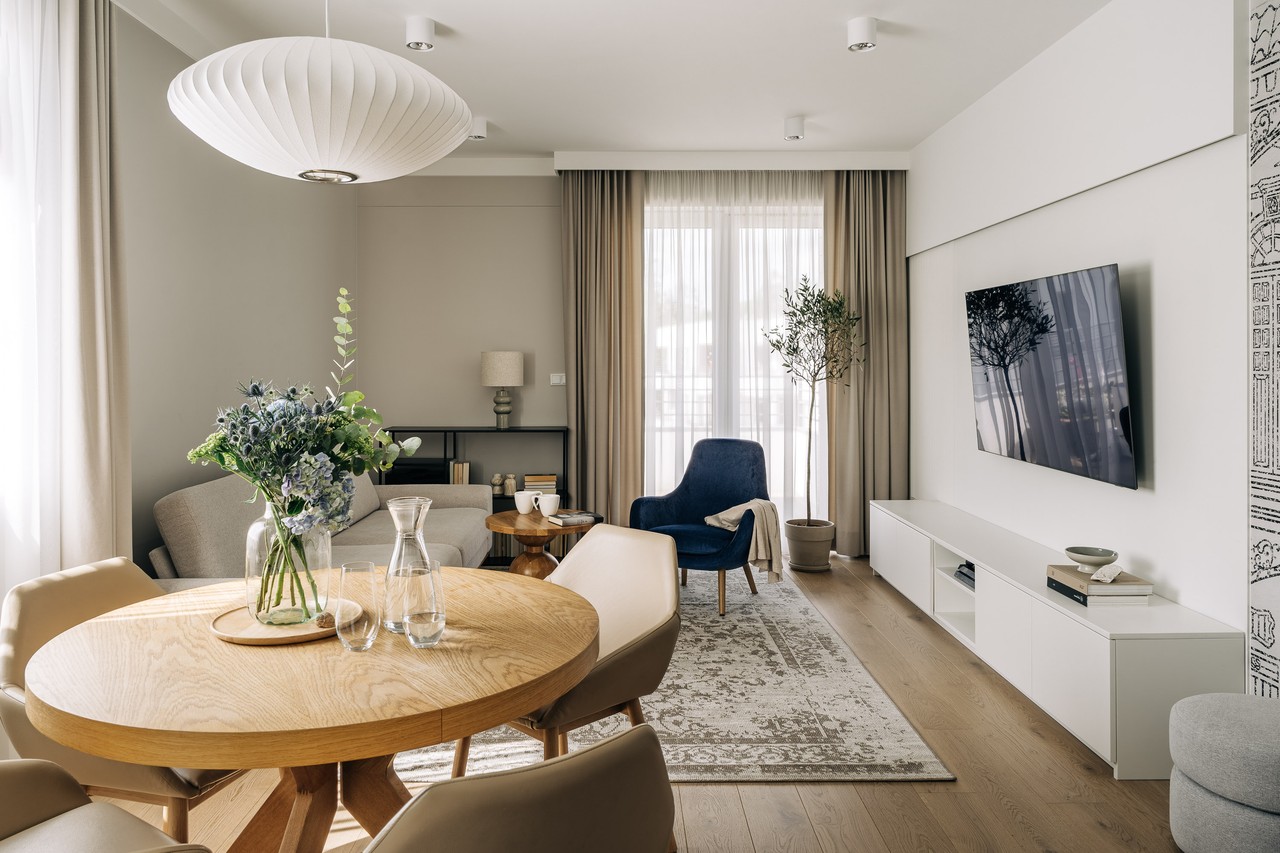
pixel 320 109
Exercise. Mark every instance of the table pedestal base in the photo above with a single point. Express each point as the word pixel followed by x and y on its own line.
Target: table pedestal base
pixel 372 792
pixel 298 813
pixel 534 561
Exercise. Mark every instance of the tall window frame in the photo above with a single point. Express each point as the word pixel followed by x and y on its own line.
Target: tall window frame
pixel 719 249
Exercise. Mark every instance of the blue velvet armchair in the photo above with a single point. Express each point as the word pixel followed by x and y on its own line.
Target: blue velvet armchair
pixel 722 473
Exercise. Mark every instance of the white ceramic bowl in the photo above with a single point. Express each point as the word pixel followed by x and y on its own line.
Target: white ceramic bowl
pixel 1092 558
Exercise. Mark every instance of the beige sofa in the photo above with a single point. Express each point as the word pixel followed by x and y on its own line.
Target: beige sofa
pixel 204 527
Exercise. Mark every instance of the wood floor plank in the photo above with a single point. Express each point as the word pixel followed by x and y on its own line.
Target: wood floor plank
pixel 903 821
pixel 1137 831
pixel 714 821
pixel 840 819
pixel 678 829
pixel 970 828
pixel 777 820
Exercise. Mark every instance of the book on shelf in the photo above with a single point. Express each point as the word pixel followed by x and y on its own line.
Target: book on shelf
pixel 1123 584
pixel 460 472
pixel 1096 600
pixel 540 483
pixel 575 517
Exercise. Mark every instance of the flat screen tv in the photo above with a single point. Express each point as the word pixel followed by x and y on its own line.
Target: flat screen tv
pixel 1050 385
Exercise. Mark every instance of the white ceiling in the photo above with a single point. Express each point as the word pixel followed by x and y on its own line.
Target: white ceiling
pixel 673 75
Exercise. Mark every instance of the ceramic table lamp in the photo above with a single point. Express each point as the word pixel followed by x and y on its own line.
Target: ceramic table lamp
pixel 502 370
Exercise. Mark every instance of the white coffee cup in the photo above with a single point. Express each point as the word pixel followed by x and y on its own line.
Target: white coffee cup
pixel 548 503
pixel 524 502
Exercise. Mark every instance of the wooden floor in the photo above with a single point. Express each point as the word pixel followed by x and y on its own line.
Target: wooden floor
pixel 1023 782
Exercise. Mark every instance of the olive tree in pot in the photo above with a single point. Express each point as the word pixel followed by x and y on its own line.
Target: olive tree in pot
pixel 817 341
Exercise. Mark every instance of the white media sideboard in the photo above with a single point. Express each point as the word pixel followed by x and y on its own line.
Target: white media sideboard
pixel 1109 675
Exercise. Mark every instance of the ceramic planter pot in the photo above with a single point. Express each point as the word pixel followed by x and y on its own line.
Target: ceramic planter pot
pixel 809 544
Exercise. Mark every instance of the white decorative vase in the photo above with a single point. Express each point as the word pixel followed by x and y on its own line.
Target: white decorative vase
pixel 809 544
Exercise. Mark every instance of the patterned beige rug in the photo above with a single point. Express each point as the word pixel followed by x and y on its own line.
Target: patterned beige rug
pixel 768 693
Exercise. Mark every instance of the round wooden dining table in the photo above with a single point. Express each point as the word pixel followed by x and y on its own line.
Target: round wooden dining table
pixel 150 683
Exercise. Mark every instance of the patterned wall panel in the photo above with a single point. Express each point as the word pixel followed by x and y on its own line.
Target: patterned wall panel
pixel 1264 320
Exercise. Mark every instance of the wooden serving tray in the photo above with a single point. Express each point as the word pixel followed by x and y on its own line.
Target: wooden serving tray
pixel 237 626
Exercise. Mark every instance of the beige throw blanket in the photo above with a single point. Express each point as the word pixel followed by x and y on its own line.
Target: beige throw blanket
pixel 766 538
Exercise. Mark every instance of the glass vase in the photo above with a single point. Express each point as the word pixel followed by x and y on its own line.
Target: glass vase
pixel 409 558
pixel 285 581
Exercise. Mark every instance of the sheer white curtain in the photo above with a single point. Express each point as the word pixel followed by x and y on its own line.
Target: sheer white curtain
pixel 719 248
pixel 64 493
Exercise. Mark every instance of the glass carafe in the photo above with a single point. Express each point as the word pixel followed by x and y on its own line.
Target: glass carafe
pixel 409 558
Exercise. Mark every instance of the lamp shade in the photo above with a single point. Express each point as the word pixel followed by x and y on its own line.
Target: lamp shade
pixel 320 109
pixel 502 369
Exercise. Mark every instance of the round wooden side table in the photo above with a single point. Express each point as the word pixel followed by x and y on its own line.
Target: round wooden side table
pixel 533 531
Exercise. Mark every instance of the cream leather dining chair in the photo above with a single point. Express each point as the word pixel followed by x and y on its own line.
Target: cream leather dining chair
pixel 37 611
pixel 613 795
pixel 44 809
pixel 629 576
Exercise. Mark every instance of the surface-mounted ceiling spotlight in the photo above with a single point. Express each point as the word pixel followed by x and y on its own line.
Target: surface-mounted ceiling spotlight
pixel 862 34
pixel 479 128
pixel 793 129
pixel 420 33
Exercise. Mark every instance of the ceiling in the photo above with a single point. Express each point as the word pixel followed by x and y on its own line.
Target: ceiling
pixel 672 75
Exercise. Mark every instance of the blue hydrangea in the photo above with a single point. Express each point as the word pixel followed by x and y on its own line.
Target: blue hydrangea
pixel 326 494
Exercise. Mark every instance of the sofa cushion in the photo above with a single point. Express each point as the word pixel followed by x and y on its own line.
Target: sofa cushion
pixel 460 527
pixel 365 500
pixel 205 527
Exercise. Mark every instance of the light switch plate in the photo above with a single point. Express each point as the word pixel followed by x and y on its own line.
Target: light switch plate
pixel 557 379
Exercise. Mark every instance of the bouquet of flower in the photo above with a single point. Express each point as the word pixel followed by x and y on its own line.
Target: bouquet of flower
pixel 302 454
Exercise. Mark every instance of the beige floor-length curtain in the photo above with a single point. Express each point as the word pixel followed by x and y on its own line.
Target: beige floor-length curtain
pixel 65 496
pixel 867 261
pixel 603 216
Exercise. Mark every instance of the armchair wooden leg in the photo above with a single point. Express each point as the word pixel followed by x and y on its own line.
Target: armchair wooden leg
pixel 176 811
pixel 550 743
pixel 562 744
pixel 751 581
pixel 634 712
pixel 721 574
pixel 684 577
pixel 461 749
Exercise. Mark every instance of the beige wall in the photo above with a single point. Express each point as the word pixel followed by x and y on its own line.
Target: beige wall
pixel 451 267
pixel 229 273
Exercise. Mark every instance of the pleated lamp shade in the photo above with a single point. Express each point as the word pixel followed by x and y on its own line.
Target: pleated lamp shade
pixel 320 109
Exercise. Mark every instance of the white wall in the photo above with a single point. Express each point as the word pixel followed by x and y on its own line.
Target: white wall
pixel 1032 198
pixel 451 267
pixel 229 274
pixel 1137 83
pixel 1176 231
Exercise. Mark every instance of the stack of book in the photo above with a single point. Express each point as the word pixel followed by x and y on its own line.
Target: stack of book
pixel 1082 589
pixel 575 517
pixel 540 483
pixel 965 574
pixel 460 472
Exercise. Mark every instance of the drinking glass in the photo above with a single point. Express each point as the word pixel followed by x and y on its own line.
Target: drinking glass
pixel 423 603
pixel 358 610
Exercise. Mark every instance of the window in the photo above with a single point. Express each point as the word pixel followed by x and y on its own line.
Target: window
pixel 720 247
